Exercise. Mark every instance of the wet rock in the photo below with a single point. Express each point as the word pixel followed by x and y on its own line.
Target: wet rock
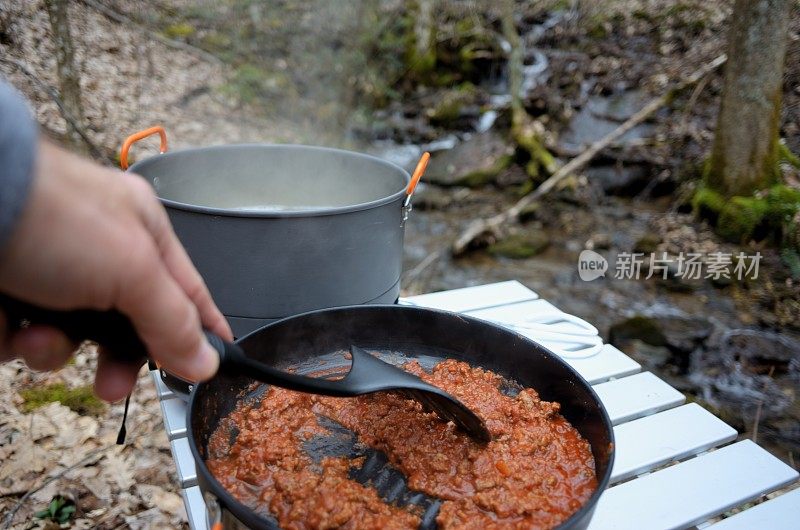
pixel 752 377
pixel 623 181
pixel 762 351
pixel 472 163
pixel 649 356
pixel 638 327
pixel 599 241
pixel 647 244
pixel 675 282
pixel 601 115
pixel 456 108
pixel 685 334
pixel 679 334
pixel 432 198
pixel 520 246
pixel 513 175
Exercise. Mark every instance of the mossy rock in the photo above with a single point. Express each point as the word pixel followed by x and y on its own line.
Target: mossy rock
pixel 450 108
pixel 475 162
pixel 79 399
pixel 181 30
pixel 520 246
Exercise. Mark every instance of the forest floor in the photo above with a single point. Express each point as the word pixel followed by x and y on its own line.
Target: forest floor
pixel 590 69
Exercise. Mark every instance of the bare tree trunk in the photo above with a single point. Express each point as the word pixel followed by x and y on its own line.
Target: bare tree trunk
pixel 525 132
pixel 514 58
pixel 421 53
pixel 68 75
pixel 745 153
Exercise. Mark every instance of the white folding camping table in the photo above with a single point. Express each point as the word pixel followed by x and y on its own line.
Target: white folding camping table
pixel 675 464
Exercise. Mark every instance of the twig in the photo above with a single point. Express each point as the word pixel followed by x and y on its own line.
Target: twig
pixel 757 419
pixel 492 224
pixel 94 150
pixel 691 103
pixel 172 43
pixel 411 276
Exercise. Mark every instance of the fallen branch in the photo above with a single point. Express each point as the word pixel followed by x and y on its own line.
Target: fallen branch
pixel 172 43
pixel 493 224
pixel 94 150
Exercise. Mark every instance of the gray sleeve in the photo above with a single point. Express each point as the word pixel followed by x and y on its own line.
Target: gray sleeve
pixel 18 135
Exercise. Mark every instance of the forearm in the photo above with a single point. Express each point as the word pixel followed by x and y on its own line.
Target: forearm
pixel 18 140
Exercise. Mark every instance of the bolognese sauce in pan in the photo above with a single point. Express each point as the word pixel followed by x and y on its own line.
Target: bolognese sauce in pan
pixel 535 473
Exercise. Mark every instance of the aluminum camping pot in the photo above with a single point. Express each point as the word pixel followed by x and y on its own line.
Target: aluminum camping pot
pixel 318 340
pixel 277 230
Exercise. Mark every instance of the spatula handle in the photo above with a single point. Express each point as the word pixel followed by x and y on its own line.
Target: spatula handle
pixel 115 332
pixel 111 329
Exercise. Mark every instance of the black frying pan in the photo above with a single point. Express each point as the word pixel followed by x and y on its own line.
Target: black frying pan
pixel 317 340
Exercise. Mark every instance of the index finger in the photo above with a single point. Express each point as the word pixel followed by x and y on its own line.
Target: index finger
pixel 177 261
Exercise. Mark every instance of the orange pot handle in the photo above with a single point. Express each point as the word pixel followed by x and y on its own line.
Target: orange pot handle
pixel 418 172
pixel 132 139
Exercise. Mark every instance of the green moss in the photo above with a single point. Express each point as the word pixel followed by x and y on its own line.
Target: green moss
pixel 677 9
pixel 449 107
pixel 481 177
pixel 181 30
pixel 520 246
pixel 740 218
pixel 250 83
pixel 216 41
pixel 80 399
pixel 598 31
pixel 539 162
pixel 786 156
pixel 707 204
pixel 765 215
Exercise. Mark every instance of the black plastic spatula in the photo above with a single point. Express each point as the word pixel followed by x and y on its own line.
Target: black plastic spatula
pixel 367 374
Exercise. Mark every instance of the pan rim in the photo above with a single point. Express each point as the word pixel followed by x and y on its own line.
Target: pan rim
pixel 227 500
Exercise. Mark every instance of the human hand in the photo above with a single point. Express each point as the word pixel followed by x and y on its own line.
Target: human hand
pixel 97 238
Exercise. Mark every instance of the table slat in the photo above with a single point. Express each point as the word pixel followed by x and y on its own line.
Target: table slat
pixel 609 362
pixel 472 298
pixel 671 435
pixel 780 513
pixel 187 473
pixel 195 508
pixel 692 491
pixel 514 312
pixel 174 412
pixel 636 396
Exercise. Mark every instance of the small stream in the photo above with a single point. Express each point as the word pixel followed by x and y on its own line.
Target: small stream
pixel 697 355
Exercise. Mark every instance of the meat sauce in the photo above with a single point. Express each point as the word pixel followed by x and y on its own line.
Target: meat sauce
pixel 535 473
